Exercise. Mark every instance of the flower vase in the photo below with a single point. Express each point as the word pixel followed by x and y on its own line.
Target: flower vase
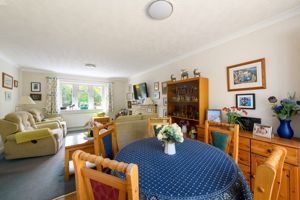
pixel 170 148
pixel 285 130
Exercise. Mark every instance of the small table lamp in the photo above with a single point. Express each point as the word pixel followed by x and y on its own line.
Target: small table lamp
pixel 25 100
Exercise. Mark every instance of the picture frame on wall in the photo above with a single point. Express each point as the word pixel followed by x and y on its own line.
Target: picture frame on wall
pixel 245 101
pixel 247 76
pixel 129 104
pixel 7 81
pixel 35 87
pixel 164 87
pixel 36 97
pixel 156 86
pixel 16 83
pixel 8 95
pixel 214 115
pixel 165 101
pixel 156 95
pixel 262 130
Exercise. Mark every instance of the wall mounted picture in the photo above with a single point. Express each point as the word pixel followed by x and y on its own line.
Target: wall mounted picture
pixel 164 88
pixel 214 115
pixel 245 101
pixel 156 86
pixel 7 81
pixel 262 130
pixel 8 95
pixel 129 88
pixel 129 96
pixel 16 83
pixel 35 87
pixel 247 76
pixel 165 101
pixel 36 97
pixel 129 104
pixel 156 95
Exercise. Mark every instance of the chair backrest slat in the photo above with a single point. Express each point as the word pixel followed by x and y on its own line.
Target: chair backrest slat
pixel 269 176
pixel 85 178
pixel 157 121
pixel 231 130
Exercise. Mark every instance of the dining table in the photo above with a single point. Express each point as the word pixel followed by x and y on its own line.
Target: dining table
pixel 197 171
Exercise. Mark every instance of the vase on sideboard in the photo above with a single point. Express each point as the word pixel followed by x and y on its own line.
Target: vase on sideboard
pixel 285 130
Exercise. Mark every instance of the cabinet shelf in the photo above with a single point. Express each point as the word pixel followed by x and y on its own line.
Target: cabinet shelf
pixel 185 118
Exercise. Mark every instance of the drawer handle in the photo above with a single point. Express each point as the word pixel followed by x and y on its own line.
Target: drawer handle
pixel 261 189
pixel 269 150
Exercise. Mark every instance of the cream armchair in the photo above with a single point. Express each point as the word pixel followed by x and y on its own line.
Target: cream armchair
pixel 40 118
pixel 23 138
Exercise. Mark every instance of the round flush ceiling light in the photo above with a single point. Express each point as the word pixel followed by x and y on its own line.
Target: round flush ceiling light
pixel 160 9
pixel 90 66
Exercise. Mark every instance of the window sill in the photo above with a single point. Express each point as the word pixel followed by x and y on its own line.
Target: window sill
pixel 80 111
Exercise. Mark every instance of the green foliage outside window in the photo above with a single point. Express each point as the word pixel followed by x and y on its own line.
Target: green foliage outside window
pixel 67 91
pixel 83 97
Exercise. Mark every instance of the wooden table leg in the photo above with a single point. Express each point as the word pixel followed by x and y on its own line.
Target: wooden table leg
pixel 66 165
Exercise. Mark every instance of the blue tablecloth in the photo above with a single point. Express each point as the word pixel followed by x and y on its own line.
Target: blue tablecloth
pixel 196 172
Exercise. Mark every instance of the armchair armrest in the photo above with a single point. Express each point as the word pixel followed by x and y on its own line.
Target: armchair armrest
pixel 50 125
pixel 27 136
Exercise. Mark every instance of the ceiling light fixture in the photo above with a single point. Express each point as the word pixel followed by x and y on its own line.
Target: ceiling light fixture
pixel 90 66
pixel 160 9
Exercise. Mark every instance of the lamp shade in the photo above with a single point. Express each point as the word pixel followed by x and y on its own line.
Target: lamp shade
pixel 25 100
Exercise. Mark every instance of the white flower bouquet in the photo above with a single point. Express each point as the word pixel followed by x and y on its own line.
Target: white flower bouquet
pixel 170 133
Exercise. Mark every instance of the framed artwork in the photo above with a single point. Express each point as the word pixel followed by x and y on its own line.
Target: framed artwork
pixel 8 95
pixel 36 97
pixel 245 101
pixel 262 130
pixel 7 81
pixel 16 83
pixel 165 101
pixel 35 87
pixel 165 113
pixel 129 104
pixel 164 88
pixel 129 88
pixel 156 95
pixel 214 115
pixel 129 96
pixel 156 86
pixel 247 76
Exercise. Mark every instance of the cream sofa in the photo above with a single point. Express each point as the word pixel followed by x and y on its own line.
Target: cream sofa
pixel 23 123
pixel 131 128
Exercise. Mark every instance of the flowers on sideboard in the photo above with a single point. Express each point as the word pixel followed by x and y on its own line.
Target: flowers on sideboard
pixel 233 113
pixel 170 133
pixel 286 108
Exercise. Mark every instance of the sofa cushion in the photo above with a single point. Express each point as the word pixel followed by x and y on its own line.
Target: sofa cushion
pixel 37 115
pixel 24 120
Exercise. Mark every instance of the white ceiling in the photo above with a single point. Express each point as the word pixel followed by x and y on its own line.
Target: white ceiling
pixel 117 35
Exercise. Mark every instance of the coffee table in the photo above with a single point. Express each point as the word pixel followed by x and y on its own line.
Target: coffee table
pixel 73 143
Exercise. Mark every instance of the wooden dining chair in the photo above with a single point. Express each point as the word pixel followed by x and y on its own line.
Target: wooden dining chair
pixel 269 176
pixel 222 135
pixel 105 140
pixel 94 184
pixel 152 122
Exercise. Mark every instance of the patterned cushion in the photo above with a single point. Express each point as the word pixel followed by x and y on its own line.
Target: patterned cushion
pixel 219 140
pixel 107 140
pixel 104 192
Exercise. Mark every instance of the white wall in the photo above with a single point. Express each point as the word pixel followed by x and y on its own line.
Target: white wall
pixel 279 44
pixel 74 119
pixel 7 106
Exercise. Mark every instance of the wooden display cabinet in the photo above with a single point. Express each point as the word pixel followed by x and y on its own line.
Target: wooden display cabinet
pixel 188 101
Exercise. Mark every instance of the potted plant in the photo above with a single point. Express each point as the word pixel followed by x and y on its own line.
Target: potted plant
pixel 284 110
pixel 170 134
pixel 233 114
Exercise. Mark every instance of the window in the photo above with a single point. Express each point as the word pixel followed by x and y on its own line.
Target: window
pixel 74 96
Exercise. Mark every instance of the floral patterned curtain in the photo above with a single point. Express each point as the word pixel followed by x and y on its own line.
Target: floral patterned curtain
pixel 51 96
pixel 109 99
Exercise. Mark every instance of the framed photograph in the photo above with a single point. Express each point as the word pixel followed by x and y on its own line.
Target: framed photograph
pixel 7 81
pixel 129 104
pixel 16 83
pixel 35 87
pixel 245 101
pixel 164 88
pixel 262 130
pixel 129 88
pixel 36 97
pixel 165 101
pixel 156 95
pixel 156 86
pixel 8 95
pixel 214 115
pixel 129 96
pixel 165 113
pixel 247 76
